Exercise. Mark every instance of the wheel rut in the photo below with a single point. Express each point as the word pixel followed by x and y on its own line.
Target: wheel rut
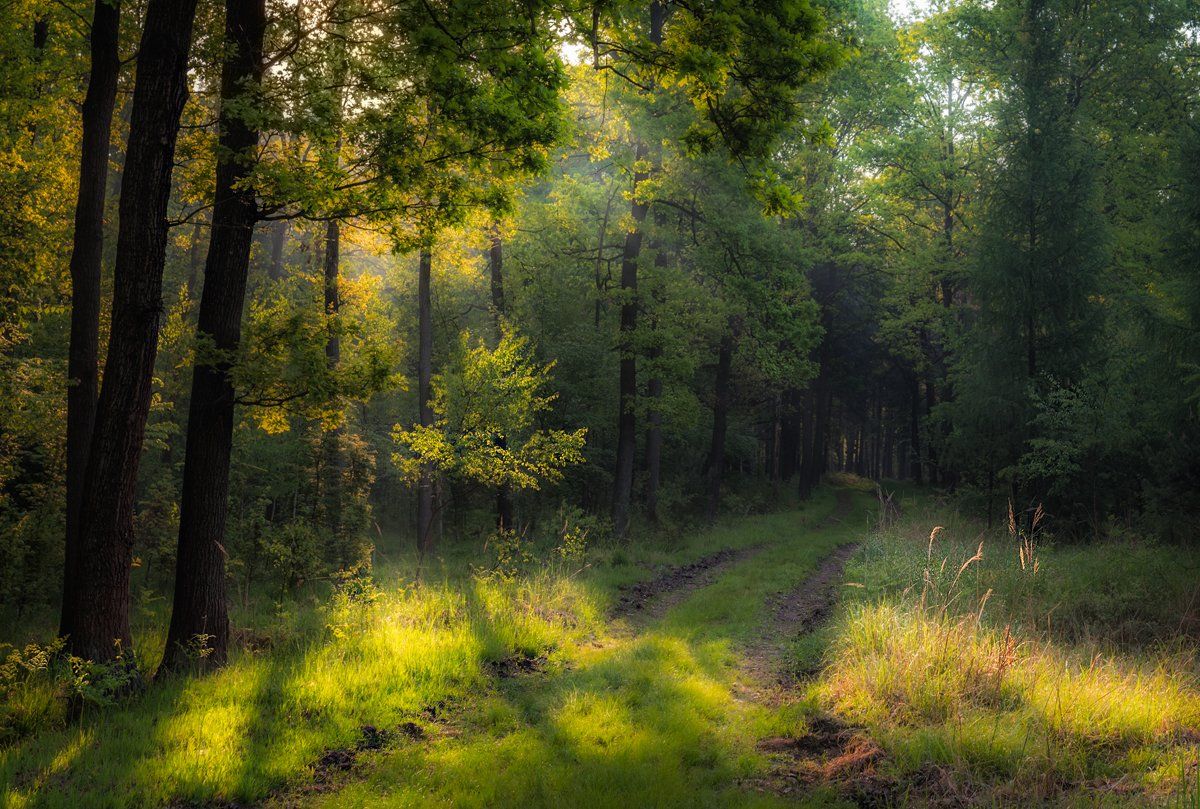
pixel 649 600
pixel 799 610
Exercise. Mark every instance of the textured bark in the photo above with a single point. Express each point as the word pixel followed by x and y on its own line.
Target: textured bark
pixel 199 615
pixel 716 452
pixel 627 382
pixel 504 501
pixel 101 597
pixel 425 411
pixel 87 253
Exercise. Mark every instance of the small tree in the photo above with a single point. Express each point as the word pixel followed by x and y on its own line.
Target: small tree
pixel 485 427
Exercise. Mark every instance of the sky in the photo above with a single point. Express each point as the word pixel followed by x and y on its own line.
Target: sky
pixel 908 8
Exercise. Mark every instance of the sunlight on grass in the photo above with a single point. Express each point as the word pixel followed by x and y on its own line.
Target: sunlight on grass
pixel 1013 675
pixel 651 715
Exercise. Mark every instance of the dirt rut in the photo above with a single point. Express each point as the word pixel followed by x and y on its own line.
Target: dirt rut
pixel 649 600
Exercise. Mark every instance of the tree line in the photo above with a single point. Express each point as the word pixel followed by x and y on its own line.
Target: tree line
pixel 280 278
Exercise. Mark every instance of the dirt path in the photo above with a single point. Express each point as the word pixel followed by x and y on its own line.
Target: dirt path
pixel 798 611
pixel 650 600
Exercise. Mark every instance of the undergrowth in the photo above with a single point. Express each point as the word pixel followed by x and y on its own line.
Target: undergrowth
pixel 1005 669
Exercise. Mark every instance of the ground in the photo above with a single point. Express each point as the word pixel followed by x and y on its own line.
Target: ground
pixel 805 657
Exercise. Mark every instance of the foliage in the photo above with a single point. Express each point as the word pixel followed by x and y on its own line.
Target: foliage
pixel 486 406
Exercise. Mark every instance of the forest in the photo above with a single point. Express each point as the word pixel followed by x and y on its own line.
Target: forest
pixel 599 403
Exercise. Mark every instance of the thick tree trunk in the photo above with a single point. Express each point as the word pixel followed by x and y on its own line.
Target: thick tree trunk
pixel 101 597
pixel 200 615
pixel 425 411
pixel 504 501
pixel 86 257
pixel 627 383
pixel 716 452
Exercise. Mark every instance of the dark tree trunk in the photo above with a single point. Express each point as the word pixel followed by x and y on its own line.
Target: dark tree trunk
pixel 716 452
pixel 332 483
pixel 279 234
pixel 200 607
pixel 196 258
pixel 87 253
pixel 654 386
pixel 504 501
pixel 914 430
pixel 930 445
pixel 789 433
pixel 41 34
pixel 654 440
pixel 627 384
pixel 101 597
pixel 425 411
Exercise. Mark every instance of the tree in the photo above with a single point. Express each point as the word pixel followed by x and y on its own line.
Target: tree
pixel 101 599
pixel 86 259
pixel 200 611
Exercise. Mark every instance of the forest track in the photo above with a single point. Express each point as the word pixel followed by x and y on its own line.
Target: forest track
pixel 799 611
pixel 649 600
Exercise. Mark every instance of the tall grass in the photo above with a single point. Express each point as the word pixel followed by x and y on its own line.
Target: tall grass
pixel 1015 667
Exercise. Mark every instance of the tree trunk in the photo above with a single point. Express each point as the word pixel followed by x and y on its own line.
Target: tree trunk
pixel 504 502
pixel 425 411
pixel 279 234
pixel 789 433
pixel 627 384
pixel 87 254
pixel 333 356
pixel 101 597
pixel 716 452
pixel 914 430
pixel 200 609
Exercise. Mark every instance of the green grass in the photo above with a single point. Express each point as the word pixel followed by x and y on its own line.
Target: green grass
pixel 1066 683
pixel 621 717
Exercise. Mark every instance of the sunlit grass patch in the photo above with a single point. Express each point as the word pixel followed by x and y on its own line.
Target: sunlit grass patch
pixel 1007 665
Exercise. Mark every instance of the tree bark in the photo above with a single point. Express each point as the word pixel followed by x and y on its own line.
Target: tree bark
pixel 200 611
pixel 627 382
pixel 87 254
pixel 425 411
pixel 101 597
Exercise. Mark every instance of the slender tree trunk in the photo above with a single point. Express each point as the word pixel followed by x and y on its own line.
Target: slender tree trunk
pixel 101 597
pixel 279 235
pixel 504 501
pixel 86 258
pixel 789 433
pixel 914 429
pixel 716 452
pixel 200 608
pixel 654 386
pixel 333 356
pixel 627 383
pixel 425 411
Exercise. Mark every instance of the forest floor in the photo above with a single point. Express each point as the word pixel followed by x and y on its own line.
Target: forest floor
pixel 804 657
